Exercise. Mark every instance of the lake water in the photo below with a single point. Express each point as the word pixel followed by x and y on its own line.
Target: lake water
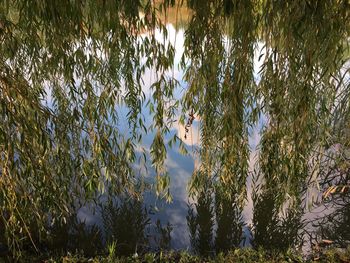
pixel 179 166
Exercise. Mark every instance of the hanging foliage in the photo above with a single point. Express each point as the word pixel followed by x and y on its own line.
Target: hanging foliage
pixel 68 69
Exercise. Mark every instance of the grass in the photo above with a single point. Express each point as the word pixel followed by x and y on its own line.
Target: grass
pixel 237 255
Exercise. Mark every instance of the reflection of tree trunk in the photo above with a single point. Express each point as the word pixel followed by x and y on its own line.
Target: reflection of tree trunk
pixel 229 223
pixel 272 230
pixel 264 220
pixel 205 223
pixel 201 223
pixel 125 224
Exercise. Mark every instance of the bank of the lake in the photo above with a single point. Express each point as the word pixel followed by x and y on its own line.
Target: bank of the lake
pixel 238 256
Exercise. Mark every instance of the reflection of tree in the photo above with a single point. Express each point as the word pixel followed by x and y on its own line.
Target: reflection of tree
pixel 201 222
pixel 127 223
pixel 66 70
pixel 214 207
pixel 336 226
pixel 162 237
pixel 277 195
pixel 272 230
pixel 75 235
pixel 178 14
pixel 334 223
pixel 229 221
pixel 223 105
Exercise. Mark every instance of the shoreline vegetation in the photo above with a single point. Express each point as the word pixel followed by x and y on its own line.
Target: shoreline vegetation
pixel 247 255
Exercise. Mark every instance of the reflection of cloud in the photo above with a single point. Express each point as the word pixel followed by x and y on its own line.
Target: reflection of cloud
pixel 177 217
pixel 180 168
pixel 192 136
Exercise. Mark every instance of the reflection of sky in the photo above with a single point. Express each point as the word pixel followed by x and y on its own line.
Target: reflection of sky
pixel 180 167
